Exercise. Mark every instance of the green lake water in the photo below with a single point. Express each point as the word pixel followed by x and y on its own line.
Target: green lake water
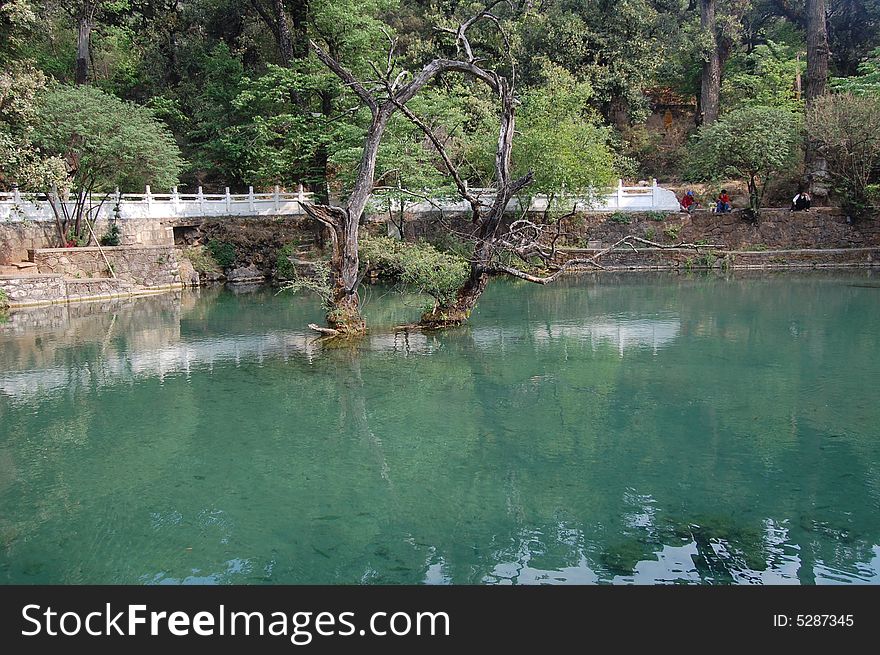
pixel 605 429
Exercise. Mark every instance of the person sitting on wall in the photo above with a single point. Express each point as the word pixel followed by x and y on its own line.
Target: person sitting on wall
pixel 722 206
pixel 688 202
pixel 801 202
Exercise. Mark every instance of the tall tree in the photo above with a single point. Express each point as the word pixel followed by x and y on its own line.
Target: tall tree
pixel 815 167
pixel 391 97
pixel 84 14
pixel 721 25
pixel 817 50
pixel 710 83
pixel 105 143
pixel 275 17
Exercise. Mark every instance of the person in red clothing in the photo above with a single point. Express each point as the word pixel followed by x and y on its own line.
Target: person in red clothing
pixel 723 204
pixel 688 202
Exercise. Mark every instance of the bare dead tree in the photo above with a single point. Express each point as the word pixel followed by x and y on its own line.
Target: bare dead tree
pixel 384 97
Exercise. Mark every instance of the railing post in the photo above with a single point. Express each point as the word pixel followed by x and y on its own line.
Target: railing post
pixel 16 194
pixel 117 207
pixel 251 199
pixel 228 202
pixel 619 193
pixel 300 194
pixel 201 199
pixel 276 197
pixel 654 193
pixel 175 198
pixel 148 196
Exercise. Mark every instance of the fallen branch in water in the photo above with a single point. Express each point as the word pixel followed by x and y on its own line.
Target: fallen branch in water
pixel 330 332
pixel 593 261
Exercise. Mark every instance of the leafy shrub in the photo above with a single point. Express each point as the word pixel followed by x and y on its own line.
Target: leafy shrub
pixel 201 259
pixel 847 130
pixel 418 266
pixel 320 282
pixel 656 216
pixel 73 241
pixel 753 143
pixel 620 217
pixel 284 268
pixel 222 252
pixel 672 232
pixel 4 300
pixel 111 237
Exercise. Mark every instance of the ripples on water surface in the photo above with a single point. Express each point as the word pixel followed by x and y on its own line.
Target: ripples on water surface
pixel 621 428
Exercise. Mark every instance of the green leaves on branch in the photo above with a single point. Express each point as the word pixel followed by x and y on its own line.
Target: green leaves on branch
pixel 847 130
pixel 106 142
pixel 21 163
pixel 751 144
pixel 319 282
pixel 562 140
pixel 867 82
pixel 559 138
pixel 417 266
pixel 767 76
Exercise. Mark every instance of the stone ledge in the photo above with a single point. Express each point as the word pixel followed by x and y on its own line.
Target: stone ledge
pixel 92 249
pixel 31 276
pixel 706 258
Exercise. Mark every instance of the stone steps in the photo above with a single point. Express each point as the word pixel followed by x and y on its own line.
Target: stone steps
pixel 14 268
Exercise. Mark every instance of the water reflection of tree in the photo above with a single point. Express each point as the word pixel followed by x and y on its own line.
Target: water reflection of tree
pixel 492 454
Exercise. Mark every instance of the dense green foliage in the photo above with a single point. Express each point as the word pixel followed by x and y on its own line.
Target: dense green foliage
pixel 753 143
pixel 222 252
pixel 418 267
pixel 112 236
pixel 847 129
pixel 867 82
pixel 105 141
pixel 607 88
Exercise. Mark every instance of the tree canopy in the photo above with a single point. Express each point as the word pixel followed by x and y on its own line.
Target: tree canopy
pixel 106 142
pixel 752 143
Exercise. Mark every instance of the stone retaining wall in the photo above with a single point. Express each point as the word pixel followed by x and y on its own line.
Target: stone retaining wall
pixel 776 229
pixel 144 266
pixel 34 288
pixel 16 239
pixel 656 259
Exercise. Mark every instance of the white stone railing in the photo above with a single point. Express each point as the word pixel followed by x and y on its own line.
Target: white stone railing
pixel 623 198
pixel 22 207
pixel 18 207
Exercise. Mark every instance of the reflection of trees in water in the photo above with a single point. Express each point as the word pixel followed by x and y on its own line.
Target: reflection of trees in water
pixel 536 457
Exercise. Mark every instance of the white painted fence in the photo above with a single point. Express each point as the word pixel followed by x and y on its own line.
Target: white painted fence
pixel 20 207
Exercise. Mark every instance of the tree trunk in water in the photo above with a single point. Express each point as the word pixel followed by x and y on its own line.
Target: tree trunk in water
pixel 816 168
pixel 459 310
pixel 83 36
pixel 345 315
pixel 710 83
